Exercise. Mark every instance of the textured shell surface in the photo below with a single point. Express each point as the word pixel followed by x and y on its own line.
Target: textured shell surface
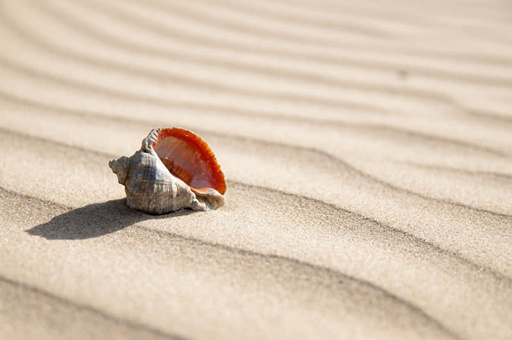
pixel 173 170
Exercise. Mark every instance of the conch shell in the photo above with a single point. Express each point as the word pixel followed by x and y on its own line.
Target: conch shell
pixel 174 169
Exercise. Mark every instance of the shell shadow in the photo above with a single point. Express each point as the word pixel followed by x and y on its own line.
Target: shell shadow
pixel 94 220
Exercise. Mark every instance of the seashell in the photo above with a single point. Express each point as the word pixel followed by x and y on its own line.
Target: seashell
pixel 174 169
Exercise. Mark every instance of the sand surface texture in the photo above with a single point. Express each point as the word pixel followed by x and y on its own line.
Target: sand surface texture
pixel 367 147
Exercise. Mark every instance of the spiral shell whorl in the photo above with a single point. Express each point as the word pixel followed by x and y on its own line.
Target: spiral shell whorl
pixel 120 167
pixel 151 188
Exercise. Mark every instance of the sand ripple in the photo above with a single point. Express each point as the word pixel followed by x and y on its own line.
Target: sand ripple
pixel 367 149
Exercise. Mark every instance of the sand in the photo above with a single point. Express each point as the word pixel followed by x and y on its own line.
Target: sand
pixel 367 147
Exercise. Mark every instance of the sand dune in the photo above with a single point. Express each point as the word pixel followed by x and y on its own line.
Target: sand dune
pixel 367 148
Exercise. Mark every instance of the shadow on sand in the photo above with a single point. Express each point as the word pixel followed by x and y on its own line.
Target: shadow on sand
pixel 94 220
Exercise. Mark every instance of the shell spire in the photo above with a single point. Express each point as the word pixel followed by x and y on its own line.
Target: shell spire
pixel 174 169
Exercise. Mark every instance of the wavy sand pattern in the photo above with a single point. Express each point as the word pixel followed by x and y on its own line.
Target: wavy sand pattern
pixel 367 146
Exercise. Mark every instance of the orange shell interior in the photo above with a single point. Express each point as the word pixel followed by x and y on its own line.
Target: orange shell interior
pixel 189 158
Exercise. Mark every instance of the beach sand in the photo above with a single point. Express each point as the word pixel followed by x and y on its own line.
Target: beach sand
pixel 367 148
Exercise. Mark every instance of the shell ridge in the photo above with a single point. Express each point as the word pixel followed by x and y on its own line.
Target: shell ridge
pixel 152 137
